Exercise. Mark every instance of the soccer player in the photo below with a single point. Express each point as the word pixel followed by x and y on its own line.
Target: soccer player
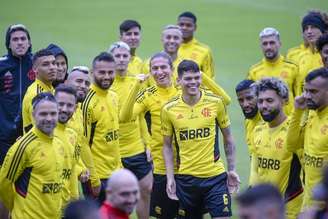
pixel 82 209
pixel 192 48
pixel 132 147
pixel 311 133
pixel 130 33
pixel 66 98
pixel 100 120
pixel 274 163
pixel 15 77
pixel 44 65
pixel 322 47
pixel 314 24
pixel 261 201
pixel 247 99
pixel 122 195
pixel 275 65
pixel 31 175
pixel 79 78
pixel 193 119
pixel 61 63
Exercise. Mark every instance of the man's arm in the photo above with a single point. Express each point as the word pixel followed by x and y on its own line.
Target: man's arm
pixel 216 89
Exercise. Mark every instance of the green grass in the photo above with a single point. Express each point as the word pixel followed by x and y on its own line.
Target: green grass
pixel 229 27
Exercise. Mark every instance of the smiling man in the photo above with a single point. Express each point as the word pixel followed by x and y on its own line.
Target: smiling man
pixel 275 65
pixel 44 65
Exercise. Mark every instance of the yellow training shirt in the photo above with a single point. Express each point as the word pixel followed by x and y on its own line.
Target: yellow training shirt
pixel 34 89
pixel 135 65
pixel 200 53
pixel 130 138
pixel 100 122
pixel 281 68
pixel 82 150
pixel 295 53
pixel 31 177
pixel 195 131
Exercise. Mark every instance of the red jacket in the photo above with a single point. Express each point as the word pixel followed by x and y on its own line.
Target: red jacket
pixel 107 211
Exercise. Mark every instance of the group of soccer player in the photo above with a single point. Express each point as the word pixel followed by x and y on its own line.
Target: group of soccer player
pixel 160 119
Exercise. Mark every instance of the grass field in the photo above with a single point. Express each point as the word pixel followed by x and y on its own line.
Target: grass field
pixel 229 27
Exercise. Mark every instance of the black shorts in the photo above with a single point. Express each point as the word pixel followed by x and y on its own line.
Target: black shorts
pixel 137 164
pixel 87 191
pixel 199 195
pixel 161 206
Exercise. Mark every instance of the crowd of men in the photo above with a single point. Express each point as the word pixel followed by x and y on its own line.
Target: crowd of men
pixel 66 135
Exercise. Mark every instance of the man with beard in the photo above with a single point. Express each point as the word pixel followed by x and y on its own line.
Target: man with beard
pixel 130 33
pixel 100 120
pixel 66 100
pixel 122 195
pixel 61 63
pixel 193 120
pixel 247 99
pixel 79 78
pixel 273 162
pixel 31 175
pixel 312 133
pixel 191 48
pixel 44 65
pixel 314 24
pixel 132 147
pixel 322 47
pixel 275 65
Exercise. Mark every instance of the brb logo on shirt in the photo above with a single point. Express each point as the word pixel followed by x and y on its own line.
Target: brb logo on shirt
pixel 51 188
pixel 111 136
pixel 190 134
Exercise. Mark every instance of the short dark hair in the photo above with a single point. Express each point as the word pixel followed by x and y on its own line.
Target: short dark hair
pixel 244 84
pixel 41 53
pixel 43 96
pixel 128 24
pixel 80 209
pixel 322 41
pixel 103 56
pixel 187 65
pixel 65 89
pixel 272 83
pixel 320 72
pixel 259 194
pixel 189 15
pixel 162 55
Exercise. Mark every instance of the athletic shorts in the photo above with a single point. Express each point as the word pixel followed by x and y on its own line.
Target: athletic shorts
pixel 199 195
pixel 137 164
pixel 87 191
pixel 161 206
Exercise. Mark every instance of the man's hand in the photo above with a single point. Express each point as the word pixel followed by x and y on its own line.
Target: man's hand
pixel 233 182
pixel 142 77
pixel 300 102
pixel 95 191
pixel 171 189
pixel 84 177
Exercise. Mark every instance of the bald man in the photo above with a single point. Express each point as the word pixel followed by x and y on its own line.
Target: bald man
pixel 122 195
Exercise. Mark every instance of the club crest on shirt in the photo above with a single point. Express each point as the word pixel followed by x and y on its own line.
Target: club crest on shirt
pixel 324 129
pixel 279 143
pixel 206 112
pixel 284 74
pixel 180 116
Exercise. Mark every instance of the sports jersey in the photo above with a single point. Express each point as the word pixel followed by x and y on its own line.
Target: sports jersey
pixel 276 165
pixel 82 150
pixel 69 177
pixel 100 122
pixel 294 53
pixel 250 124
pixel 308 61
pixel 34 89
pixel 313 135
pixel 281 68
pixel 195 131
pixel 200 53
pixel 135 65
pixel 130 137
pixel 31 177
